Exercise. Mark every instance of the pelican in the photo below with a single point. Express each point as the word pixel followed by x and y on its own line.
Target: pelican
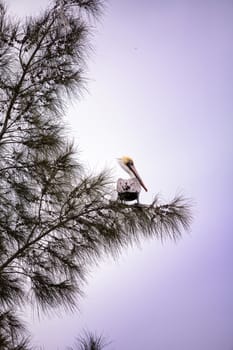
pixel 128 165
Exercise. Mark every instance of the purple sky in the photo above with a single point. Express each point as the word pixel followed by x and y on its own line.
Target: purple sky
pixel 161 91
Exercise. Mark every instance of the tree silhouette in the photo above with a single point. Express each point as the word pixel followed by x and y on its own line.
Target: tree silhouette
pixel 90 341
pixel 55 219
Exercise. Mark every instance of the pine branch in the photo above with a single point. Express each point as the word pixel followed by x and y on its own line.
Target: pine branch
pixel 12 332
pixel 90 341
pixel 85 227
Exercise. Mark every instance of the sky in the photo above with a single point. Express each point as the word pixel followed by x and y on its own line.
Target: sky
pixel 160 90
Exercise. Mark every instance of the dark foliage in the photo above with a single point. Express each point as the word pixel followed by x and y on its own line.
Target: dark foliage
pixel 54 219
pixel 11 330
pixel 90 341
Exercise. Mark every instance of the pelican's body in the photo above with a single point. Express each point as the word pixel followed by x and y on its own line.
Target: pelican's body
pixel 128 165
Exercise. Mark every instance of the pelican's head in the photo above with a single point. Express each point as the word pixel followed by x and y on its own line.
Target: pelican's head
pixel 128 165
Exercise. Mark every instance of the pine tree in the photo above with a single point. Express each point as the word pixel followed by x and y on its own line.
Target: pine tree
pixel 55 220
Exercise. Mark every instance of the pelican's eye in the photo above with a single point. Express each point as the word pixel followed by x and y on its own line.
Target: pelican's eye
pixel 129 163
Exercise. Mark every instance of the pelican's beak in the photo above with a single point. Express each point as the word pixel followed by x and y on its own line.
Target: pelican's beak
pixel 134 171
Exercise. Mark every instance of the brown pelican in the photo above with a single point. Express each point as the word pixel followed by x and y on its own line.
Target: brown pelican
pixel 128 165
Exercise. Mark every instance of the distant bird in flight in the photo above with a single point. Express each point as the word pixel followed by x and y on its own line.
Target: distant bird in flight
pixel 128 165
